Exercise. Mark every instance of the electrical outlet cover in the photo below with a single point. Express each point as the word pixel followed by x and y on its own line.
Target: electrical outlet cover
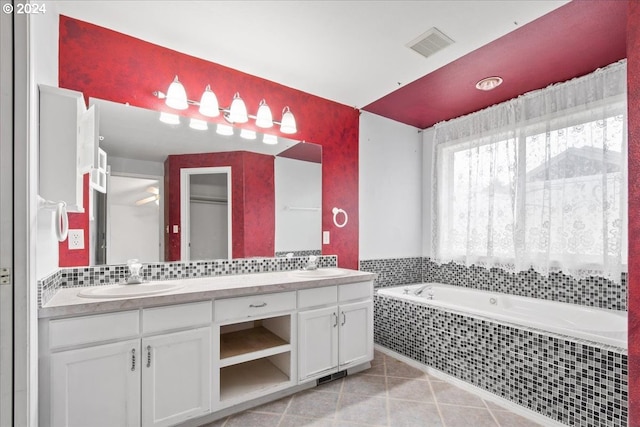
pixel 75 239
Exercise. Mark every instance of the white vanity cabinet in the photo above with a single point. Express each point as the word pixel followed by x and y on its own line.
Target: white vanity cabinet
pixel 149 367
pixel 255 351
pixel 68 145
pixel 335 329
pixel 97 385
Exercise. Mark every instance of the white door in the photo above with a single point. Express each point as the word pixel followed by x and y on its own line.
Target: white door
pixel 176 377
pixel 317 342
pixel 96 386
pixel 356 333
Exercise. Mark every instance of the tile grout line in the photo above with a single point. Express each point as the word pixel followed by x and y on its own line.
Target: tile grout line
pixel 285 409
pixel 491 413
pixel 386 389
pixel 435 400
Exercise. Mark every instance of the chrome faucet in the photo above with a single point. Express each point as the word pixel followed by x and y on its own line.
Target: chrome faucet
pixel 423 288
pixel 134 272
pixel 311 264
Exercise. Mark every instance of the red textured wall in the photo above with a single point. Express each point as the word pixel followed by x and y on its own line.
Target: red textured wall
pixel 106 64
pixel 633 102
pixel 252 194
pixel 77 257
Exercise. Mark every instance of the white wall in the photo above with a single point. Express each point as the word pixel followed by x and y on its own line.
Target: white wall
pixel 390 189
pixel 427 182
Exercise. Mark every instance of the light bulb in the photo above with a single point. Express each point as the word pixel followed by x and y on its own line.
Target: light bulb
pixel 176 95
pixel 248 134
pixel 238 111
pixel 209 103
pixel 169 118
pixel 198 124
pixel 264 119
pixel 225 130
pixel 288 124
pixel 270 139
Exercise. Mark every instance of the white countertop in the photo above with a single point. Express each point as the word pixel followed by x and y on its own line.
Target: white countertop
pixel 66 301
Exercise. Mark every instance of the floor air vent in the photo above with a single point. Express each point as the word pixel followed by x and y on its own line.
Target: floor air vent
pixel 331 377
pixel 430 42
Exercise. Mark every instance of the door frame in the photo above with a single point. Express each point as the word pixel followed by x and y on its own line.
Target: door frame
pixel 185 192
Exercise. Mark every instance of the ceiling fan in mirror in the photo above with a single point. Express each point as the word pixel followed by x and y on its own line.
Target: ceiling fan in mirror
pixel 155 196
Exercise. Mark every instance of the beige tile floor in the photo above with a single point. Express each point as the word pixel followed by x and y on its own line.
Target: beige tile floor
pixel 391 394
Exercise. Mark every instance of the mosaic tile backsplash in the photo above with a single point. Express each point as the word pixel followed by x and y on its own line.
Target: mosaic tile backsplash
pixel 591 291
pixel 574 382
pixel 112 274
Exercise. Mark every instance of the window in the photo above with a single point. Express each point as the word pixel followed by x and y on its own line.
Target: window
pixel 543 191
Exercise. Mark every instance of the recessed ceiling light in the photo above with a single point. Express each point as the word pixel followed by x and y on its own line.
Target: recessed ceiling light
pixel 489 83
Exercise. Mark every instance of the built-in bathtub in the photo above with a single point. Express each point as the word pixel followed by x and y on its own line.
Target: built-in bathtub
pixel 594 324
pixel 564 361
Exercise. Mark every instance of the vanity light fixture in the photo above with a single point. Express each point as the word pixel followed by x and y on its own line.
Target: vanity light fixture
pixel 270 139
pixel 248 134
pixel 198 124
pixel 223 129
pixel 169 118
pixel 209 103
pixel 176 97
pixel 489 83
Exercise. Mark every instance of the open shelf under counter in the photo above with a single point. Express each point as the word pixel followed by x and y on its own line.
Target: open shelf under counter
pixel 250 344
pixel 255 377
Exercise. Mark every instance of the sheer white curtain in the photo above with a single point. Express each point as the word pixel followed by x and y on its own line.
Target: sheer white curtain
pixel 537 182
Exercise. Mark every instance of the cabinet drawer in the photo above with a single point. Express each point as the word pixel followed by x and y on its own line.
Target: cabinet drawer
pixel 354 291
pixel 93 329
pixel 253 306
pixel 176 317
pixel 317 296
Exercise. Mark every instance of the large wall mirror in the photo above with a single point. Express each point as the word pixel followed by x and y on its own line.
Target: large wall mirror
pixel 178 193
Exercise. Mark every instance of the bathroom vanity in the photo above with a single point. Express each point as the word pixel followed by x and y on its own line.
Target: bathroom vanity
pixel 206 348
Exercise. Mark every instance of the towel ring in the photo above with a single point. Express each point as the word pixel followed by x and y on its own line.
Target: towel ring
pixel 61 217
pixel 336 212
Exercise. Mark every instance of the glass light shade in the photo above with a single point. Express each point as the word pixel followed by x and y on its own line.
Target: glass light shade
pixel 238 111
pixel 209 103
pixel 225 130
pixel 248 134
pixel 176 95
pixel 198 124
pixel 264 119
pixel 288 124
pixel 169 118
pixel 270 139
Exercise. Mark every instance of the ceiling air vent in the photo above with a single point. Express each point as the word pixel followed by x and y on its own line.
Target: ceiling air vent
pixel 430 42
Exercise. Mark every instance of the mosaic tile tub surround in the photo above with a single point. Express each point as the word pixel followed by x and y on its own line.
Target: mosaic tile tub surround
pixel 571 381
pixel 112 274
pixel 591 291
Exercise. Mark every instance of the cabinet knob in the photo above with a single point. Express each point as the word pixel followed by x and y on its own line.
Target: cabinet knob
pixel 148 356
pixel 335 323
pixel 344 319
pixel 133 359
pixel 264 304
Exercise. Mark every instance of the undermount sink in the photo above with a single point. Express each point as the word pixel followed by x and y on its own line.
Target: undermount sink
pixel 319 273
pixel 119 291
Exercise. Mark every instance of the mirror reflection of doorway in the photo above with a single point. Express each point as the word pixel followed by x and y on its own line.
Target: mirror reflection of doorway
pixel 206 213
pixel 130 219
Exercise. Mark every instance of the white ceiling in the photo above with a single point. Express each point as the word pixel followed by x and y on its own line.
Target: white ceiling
pixel 351 52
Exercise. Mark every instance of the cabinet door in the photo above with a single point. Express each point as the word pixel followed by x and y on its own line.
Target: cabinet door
pixel 356 333
pixel 97 386
pixel 317 342
pixel 176 377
